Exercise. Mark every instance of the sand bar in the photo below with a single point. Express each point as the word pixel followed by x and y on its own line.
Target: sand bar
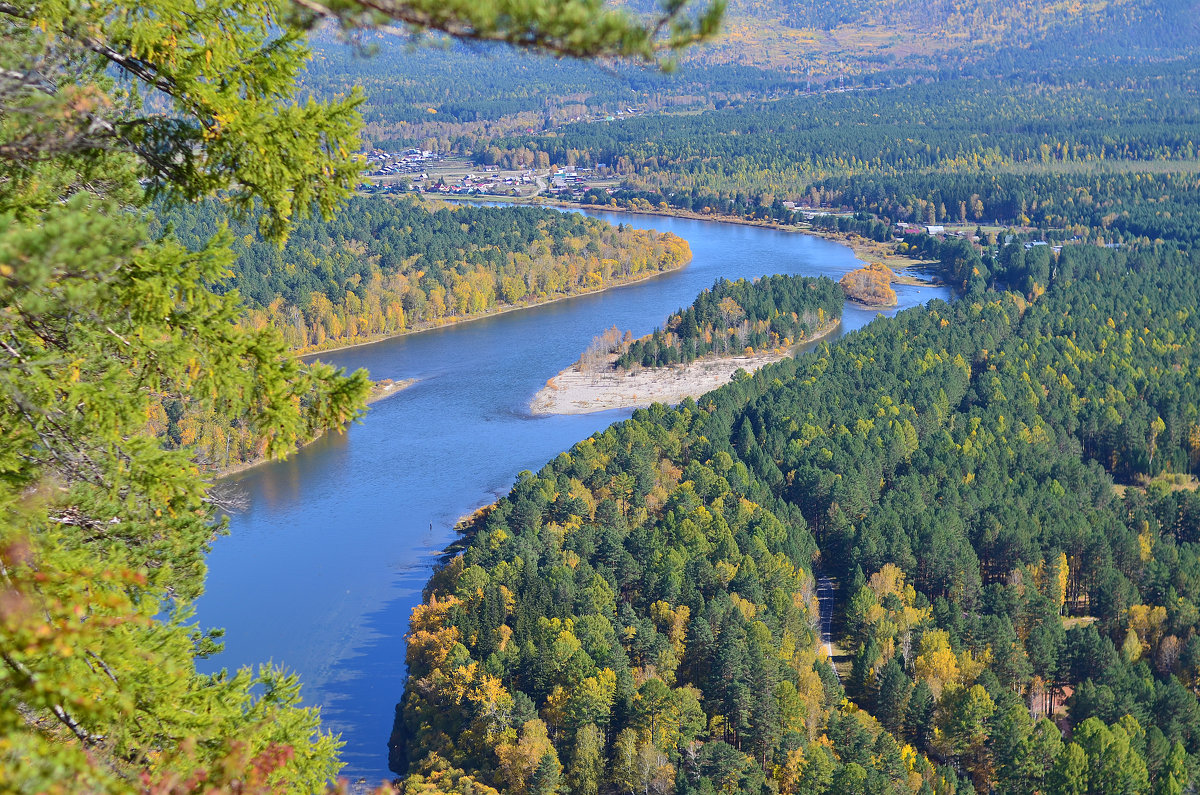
pixel 582 392
pixel 579 390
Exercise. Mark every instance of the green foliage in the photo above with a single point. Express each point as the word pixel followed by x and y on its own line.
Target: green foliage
pixel 105 107
pixel 388 266
pixel 188 135
pixel 576 28
pixel 103 534
pixel 729 317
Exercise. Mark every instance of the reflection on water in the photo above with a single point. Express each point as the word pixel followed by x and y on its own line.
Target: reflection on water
pixel 322 569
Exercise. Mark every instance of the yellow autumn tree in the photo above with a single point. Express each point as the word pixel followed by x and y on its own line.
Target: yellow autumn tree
pixel 519 760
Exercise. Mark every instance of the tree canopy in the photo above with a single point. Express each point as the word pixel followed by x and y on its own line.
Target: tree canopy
pixel 648 598
pixel 105 107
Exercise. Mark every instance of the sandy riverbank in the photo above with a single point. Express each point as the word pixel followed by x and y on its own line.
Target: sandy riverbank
pixel 379 390
pixel 387 387
pixel 576 391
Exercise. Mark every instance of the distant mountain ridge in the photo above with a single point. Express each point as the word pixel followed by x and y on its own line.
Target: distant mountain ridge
pixel 770 49
pixel 847 37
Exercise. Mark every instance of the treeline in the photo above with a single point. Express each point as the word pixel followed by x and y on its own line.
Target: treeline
pixel 384 266
pixel 737 317
pixel 638 616
pixel 1104 151
pixel 1096 206
pixel 1086 115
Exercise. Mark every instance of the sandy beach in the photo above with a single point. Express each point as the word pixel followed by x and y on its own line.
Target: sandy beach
pixel 582 392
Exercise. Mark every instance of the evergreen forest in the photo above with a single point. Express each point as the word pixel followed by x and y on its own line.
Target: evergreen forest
pixel 739 317
pixel 1003 488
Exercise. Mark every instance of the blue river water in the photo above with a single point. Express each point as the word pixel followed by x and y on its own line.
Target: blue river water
pixel 322 569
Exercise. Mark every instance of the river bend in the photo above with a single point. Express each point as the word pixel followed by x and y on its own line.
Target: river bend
pixel 320 572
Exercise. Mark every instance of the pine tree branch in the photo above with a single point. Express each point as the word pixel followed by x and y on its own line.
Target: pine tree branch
pixel 140 69
pixel 519 35
pixel 84 736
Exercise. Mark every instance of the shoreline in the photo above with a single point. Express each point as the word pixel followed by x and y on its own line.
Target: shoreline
pixel 504 309
pixel 863 248
pixel 574 391
pixel 380 390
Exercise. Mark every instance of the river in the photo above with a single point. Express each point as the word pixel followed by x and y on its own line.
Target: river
pixel 321 570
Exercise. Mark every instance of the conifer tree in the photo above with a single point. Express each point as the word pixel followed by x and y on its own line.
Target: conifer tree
pixel 104 108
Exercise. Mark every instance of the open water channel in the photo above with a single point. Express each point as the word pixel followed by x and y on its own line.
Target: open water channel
pixel 322 569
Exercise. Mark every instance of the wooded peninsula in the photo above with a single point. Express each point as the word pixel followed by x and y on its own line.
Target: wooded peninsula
pixel 386 266
pixel 731 327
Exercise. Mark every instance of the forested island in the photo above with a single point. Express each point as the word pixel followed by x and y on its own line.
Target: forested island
pixel 731 327
pixel 735 317
pixel 870 285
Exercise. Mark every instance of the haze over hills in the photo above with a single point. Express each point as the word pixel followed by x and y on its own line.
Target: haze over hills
pixel 834 37
pixel 769 49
